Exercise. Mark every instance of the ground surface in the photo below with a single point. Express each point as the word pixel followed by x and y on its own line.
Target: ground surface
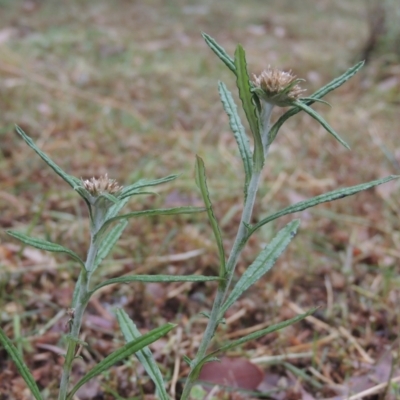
pixel 130 88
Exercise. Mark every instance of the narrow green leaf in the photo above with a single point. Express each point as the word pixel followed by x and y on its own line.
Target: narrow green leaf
pixel 335 83
pixel 20 364
pixel 246 96
pixel 157 278
pixel 145 356
pixel 262 264
pixel 317 117
pixel 142 183
pixel 201 182
pixel 122 353
pixel 138 192
pixel 220 52
pixel 263 332
pixel 44 245
pixel 252 336
pixel 108 242
pixel 323 198
pixel 86 197
pixel 148 213
pixel 116 208
pixel 111 198
pixel 187 360
pixel 238 130
pixel 71 180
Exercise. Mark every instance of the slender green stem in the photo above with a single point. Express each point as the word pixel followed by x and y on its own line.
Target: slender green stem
pixel 73 337
pixel 240 241
pixel 224 286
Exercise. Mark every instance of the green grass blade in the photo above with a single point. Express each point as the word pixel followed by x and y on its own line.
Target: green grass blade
pixel 142 183
pixel 334 84
pixel 147 213
pixel 220 52
pixel 262 264
pixel 21 366
pixel 145 356
pixel 44 245
pixel 157 278
pixel 71 180
pixel 121 354
pixel 238 130
pixel 323 198
pixel 108 242
pixel 201 182
pixel 317 117
pixel 246 96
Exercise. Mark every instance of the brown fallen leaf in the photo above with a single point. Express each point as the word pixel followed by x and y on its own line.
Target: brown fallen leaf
pixel 234 372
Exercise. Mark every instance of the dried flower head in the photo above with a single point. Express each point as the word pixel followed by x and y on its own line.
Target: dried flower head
pixel 277 87
pixel 101 185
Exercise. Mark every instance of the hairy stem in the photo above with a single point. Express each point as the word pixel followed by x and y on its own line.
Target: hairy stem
pixel 76 323
pixel 224 286
pixel 240 241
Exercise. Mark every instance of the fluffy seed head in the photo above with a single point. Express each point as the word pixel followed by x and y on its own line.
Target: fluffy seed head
pixel 277 87
pixel 101 185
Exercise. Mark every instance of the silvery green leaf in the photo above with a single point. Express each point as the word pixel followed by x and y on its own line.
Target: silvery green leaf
pixel 142 183
pixel 318 117
pixel 334 84
pixel 187 360
pixel 322 198
pixel 238 131
pixel 116 208
pixel 108 242
pixel 86 196
pixel 337 82
pixel 220 52
pixel 257 334
pixel 44 245
pixel 201 182
pixel 156 278
pixel 71 180
pixel 145 356
pixel 111 198
pixel 246 96
pixel 20 364
pixel 121 354
pixel 262 264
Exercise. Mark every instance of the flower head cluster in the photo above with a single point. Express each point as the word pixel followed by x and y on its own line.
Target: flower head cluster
pixel 101 185
pixel 277 87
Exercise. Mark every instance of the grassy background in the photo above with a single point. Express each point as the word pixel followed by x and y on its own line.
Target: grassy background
pixel 130 88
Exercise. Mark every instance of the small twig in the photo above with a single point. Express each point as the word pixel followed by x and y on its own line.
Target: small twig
pixel 247 331
pixel 374 390
pixel 175 375
pixel 329 296
pixel 283 357
pixel 367 358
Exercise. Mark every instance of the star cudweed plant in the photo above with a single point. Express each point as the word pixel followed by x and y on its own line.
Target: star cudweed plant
pixel 105 199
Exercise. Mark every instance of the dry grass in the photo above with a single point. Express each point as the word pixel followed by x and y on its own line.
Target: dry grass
pixel 130 88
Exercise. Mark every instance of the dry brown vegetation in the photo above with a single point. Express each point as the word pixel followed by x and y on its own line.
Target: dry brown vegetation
pixel 130 88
